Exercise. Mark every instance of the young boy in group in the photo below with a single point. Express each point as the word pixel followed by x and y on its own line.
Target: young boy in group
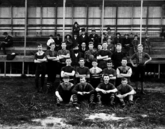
pixel 82 71
pixel 141 59
pixel 63 55
pixel 123 71
pixel 125 91
pixel 40 61
pixel 103 56
pixel 83 91
pixel 64 91
pixel 106 91
pixel 117 56
pixel 110 71
pixel 50 40
pixel 68 70
pixel 52 65
pixel 95 74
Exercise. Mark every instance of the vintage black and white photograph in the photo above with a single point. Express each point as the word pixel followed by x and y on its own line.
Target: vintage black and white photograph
pixel 82 64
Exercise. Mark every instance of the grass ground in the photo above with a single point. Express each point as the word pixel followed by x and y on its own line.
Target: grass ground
pixel 20 103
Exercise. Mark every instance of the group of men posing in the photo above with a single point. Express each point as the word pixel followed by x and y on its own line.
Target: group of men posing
pixel 96 75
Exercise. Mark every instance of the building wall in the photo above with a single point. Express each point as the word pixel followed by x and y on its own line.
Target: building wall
pixel 42 20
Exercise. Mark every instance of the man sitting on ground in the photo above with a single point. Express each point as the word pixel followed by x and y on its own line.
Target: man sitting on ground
pixel 106 91
pixel 64 91
pixel 125 91
pixel 83 91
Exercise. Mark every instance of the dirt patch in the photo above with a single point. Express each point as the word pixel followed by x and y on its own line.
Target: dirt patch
pixel 107 117
pixel 156 89
pixel 52 122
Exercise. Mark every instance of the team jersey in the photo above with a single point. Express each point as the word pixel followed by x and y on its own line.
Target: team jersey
pixel 64 87
pixel 63 52
pixel 124 89
pixel 107 86
pixel 140 58
pixel 82 70
pixel 86 87
pixel 95 72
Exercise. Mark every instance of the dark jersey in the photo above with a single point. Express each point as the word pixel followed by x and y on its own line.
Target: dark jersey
pixel 68 69
pixel 107 86
pixel 140 57
pixel 102 63
pixel 124 89
pixel 63 52
pixel 51 53
pixel 124 70
pixel 110 72
pixel 40 66
pixel 82 70
pixel 83 88
pixel 117 58
pixel 64 87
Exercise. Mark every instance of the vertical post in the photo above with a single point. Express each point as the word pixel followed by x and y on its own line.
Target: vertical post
pixel 25 38
pixel 132 17
pixel 41 14
pixel 72 13
pixel 161 22
pixel 102 21
pixel 116 17
pixel 56 19
pixel 87 16
pixel 141 21
pixel 11 9
pixel 64 1
pixel 147 19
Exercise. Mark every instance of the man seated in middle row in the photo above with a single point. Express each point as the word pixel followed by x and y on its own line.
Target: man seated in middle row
pixel 123 71
pixel 83 91
pixel 82 71
pixel 111 72
pixel 68 70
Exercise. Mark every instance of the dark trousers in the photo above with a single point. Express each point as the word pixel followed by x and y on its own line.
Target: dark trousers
pixel 139 73
pixel 105 98
pixel 118 81
pixel 37 79
pixel 3 46
pixel 78 98
pixel 65 96
pixel 52 71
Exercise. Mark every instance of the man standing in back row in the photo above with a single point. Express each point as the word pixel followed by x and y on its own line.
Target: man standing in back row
pixel 141 59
